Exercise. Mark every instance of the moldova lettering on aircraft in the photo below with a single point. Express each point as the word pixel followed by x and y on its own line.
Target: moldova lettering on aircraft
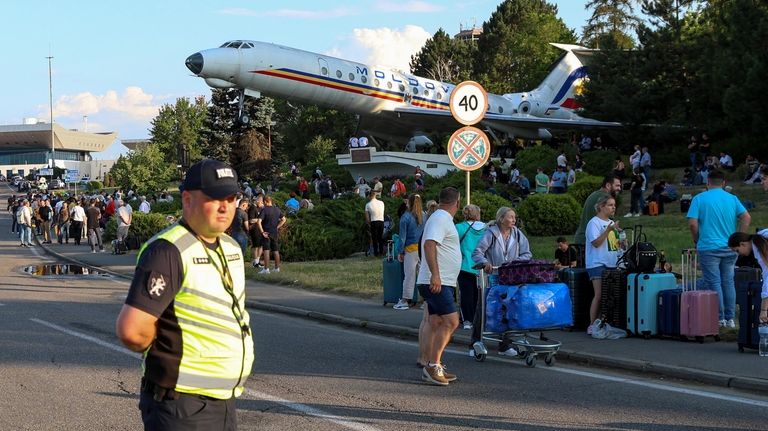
pixel 392 104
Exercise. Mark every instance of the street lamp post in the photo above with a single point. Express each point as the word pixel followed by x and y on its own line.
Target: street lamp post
pixel 50 104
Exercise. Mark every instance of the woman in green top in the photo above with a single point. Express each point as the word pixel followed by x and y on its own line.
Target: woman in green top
pixel 470 231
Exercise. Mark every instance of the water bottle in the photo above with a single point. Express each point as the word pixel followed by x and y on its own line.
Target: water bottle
pixel 763 347
pixel 623 239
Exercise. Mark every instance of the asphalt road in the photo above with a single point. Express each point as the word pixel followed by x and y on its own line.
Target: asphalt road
pixel 61 368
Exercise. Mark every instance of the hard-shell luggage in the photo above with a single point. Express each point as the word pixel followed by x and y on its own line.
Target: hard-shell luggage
pixel 642 301
pixel 132 242
pixel 581 291
pixel 699 309
pixel 393 275
pixel 613 299
pixel 118 247
pixel 745 275
pixel 668 313
pixel 748 298
pixel 653 208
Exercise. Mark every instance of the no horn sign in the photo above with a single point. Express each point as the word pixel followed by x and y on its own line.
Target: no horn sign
pixel 469 148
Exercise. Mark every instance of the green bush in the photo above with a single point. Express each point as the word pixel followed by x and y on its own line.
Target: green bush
pixel 530 159
pixel 671 156
pixel 488 204
pixel 547 215
pixel 167 208
pixel 94 186
pixel 599 162
pixel 584 186
pixel 144 226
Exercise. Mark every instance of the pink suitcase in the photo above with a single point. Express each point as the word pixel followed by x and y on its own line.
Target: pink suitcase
pixel 698 308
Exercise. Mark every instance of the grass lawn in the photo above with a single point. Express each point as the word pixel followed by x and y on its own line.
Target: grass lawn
pixel 362 276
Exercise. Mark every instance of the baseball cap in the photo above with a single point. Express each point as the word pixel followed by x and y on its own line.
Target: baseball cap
pixel 215 179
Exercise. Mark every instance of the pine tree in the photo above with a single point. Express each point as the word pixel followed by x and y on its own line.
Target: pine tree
pixel 513 52
pixel 611 19
pixel 444 59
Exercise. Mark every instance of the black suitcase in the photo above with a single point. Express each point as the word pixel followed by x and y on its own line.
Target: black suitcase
pixel 580 255
pixel 581 291
pixel 613 299
pixel 748 298
pixel 743 275
pixel 685 205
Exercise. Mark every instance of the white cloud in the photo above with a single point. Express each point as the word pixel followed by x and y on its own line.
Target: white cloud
pixel 129 113
pixel 411 7
pixel 383 46
pixel 293 13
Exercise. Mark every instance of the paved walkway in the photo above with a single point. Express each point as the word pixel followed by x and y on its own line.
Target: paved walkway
pixel 717 363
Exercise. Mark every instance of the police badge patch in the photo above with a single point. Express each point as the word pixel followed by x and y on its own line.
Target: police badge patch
pixel 156 285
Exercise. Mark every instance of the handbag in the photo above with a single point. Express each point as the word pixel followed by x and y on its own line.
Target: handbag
pixel 527 271
pixel 641 256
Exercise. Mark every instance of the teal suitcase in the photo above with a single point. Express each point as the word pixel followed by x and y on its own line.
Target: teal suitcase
pixel 642 301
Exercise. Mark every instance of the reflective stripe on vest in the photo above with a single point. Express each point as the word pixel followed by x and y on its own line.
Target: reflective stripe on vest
pixel 217 354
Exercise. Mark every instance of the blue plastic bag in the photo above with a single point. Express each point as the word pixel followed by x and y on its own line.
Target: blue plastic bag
pixel 538 306
pixel 495 309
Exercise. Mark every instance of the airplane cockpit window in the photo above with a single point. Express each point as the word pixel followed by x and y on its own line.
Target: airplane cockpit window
pixel 247 45
pixel 235 44
pixel 225 44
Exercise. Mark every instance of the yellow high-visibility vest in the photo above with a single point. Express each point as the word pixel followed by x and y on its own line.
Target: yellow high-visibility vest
pixel 216 352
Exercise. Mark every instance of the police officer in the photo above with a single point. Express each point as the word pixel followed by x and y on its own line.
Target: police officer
pixel 186 311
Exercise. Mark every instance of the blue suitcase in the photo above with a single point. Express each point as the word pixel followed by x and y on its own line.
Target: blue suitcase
pixel 668 313
pixel 393 276
pixel 642 301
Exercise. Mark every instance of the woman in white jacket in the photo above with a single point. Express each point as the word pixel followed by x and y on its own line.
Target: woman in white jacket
pixel 502 242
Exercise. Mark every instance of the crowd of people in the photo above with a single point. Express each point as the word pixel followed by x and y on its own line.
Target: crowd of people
pixel 64 218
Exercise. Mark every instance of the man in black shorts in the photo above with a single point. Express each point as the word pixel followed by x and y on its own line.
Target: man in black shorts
pixel 441 262
pixel 272 219
pixel 255 231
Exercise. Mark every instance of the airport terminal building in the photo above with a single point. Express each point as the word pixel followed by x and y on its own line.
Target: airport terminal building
pixel 25 148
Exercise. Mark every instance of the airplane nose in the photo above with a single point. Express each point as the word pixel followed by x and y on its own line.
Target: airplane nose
pixel 195 63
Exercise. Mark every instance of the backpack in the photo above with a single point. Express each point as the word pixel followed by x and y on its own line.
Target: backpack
pixel 641 256
pixel 19 216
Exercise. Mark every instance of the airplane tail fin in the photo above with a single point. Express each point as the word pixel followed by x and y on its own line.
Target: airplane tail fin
pixel 564 79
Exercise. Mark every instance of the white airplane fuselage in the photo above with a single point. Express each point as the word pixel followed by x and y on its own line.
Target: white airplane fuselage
pixel 307 77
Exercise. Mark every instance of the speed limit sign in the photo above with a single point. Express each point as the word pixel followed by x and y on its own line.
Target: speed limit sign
pixel 468 103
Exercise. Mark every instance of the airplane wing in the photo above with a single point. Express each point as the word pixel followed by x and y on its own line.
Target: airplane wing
pixel 434 120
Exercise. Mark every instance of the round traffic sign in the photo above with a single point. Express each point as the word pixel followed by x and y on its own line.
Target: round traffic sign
pixel 468 103
pixel 469 148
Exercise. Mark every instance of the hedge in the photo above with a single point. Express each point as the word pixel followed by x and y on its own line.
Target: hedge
pixel 530 159
pixel 547 215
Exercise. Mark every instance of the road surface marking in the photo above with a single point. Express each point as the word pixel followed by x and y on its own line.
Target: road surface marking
pixel 338 420
pixel 589 374
pixel 302 408
pixel 88 338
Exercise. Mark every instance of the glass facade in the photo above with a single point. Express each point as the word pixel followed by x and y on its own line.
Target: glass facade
pixel 37 157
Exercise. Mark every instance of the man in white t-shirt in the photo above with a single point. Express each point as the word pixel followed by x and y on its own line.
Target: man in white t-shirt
pixel 374 218
pixel 144 205
pixel 441 262
pixel 124 216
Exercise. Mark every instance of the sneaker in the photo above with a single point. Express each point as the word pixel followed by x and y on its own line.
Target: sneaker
pixel 434 375
pixel 264 271
pixel 402 304
pixel 629 215
pixel 448 376
pixel 723 323
pixel 637 215
pixel 511 351
pixel 93 251
pixel 101 250
pixel 730 323
pixel 256 264
pixel 467 324
pixel 276 270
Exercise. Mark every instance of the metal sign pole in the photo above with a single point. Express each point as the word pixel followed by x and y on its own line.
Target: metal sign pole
pixel 468 173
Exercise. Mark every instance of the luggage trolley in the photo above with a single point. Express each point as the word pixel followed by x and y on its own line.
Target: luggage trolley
pixel 528 346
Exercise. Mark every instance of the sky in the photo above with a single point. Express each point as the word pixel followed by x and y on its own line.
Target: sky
pixel 116 63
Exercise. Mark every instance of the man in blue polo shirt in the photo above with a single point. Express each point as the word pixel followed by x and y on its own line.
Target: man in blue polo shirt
pixel 713 216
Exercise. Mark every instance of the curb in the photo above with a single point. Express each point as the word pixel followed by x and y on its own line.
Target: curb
pixel 590 359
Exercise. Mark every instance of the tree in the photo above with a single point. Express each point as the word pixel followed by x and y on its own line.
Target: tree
pixel 513 52
pixel 244 146
pixel 176 131
pixel 144 170
pixel 444 59
pixel 298 124
pixel 612 20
